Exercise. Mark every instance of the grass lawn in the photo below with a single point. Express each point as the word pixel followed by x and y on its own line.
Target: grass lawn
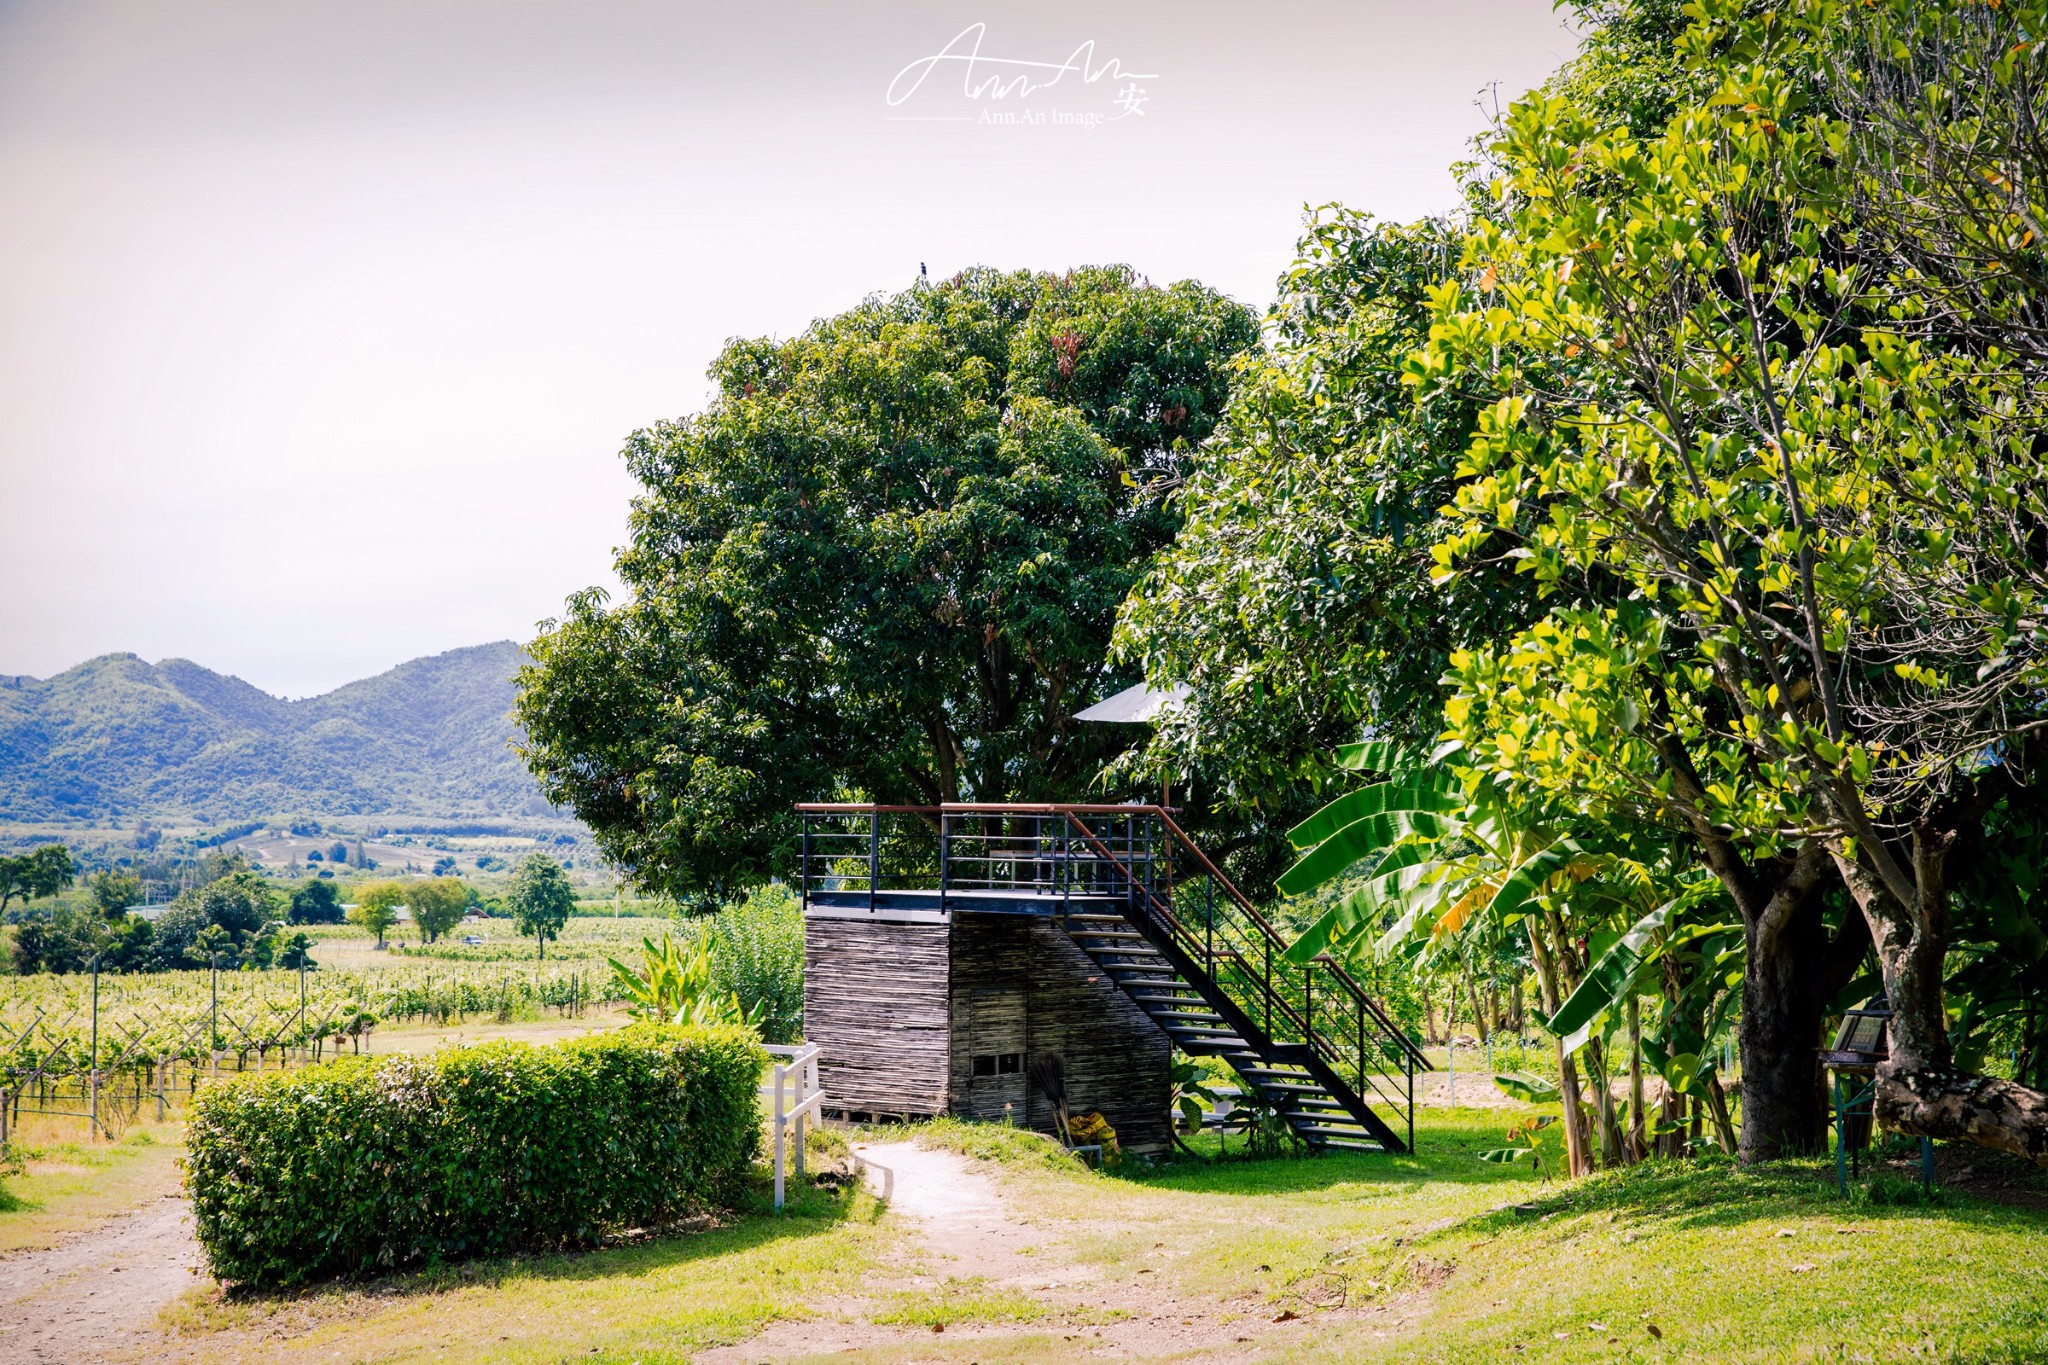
pixel 1437 1257
pixel 68 1185
pixel 657 1301
pixel 1426 1258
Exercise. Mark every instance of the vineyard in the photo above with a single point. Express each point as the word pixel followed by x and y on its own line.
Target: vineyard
pixel 108 1050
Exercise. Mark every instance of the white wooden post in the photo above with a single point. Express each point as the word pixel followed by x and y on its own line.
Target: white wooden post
pixel 805 1084
pixel 779 1120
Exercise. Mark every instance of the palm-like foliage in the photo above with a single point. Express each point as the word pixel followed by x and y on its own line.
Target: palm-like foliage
pixel 674 987
pixel 1452 868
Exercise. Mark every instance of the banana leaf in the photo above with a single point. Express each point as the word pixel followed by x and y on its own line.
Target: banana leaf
pixel 1528 1089
pixel 1356 841
pixel 1610 980
pixel 1521 886
pixel 1424 792
pixel 1376 756
pixel 1406 866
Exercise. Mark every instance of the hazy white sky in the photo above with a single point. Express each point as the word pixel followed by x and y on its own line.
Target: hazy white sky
pixel 322 321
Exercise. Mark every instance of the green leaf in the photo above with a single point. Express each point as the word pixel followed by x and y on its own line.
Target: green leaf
pixel 1421 910
pixel 1360 839
pixel 1528 1089
pixel 1527 879
pixel 1376 756
pixel 1393 882
pixel 1611 980
pixel 1427 791
pixel 1501 1156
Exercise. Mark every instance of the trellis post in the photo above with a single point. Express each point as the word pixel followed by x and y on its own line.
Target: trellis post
pixel 93 1131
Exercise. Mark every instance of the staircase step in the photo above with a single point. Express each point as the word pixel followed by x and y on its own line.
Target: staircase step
pixel 1188 1016
pixel 1207 1047
pixel 1120 935
pixel 1155 998
pixel 1352 1146
pixel 1322 1129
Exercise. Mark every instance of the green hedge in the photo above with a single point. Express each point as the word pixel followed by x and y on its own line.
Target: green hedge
pixel 363 1165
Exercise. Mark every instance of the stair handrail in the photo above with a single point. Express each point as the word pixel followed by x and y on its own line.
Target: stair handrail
pixel 1274 941
pixel 1273 936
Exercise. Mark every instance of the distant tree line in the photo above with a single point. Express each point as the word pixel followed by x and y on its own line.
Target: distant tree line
pixel 234 920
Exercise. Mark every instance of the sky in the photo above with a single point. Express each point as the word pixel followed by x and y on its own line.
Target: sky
pixel 322 321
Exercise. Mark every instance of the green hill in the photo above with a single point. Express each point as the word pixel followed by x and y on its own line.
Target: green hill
pixel 118 739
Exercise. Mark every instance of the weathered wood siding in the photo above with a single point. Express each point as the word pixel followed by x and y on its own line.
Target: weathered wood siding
pixel 876 1002
pixel 1117 1059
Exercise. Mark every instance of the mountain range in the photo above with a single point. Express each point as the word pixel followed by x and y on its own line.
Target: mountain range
pixel 118 739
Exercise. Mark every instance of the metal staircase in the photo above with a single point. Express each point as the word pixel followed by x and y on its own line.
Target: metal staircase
pixel 1153 912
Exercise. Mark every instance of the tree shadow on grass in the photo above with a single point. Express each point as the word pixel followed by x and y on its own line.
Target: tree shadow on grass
pixel 1715 1192
pixel 1447 1152
pixel 812 1210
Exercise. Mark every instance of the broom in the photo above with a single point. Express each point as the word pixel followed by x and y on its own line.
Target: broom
pixel 1049 1074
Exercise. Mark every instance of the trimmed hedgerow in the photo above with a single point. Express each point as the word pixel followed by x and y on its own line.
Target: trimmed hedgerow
pixel 360 1166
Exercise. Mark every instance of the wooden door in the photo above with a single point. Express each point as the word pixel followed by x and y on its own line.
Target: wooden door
pixel 995 1041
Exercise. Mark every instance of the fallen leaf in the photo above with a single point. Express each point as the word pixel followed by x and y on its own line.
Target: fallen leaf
pixel 938 1327
pixel 1802 1267
pixel 1787 1232
pixel 1652 1327
pixel 1287 1315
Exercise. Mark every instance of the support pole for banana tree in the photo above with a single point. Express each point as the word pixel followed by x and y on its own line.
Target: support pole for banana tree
pixel 1451 1044
pixel 213 1020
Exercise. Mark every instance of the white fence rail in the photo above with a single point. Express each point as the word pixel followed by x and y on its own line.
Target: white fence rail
pixel 795 1098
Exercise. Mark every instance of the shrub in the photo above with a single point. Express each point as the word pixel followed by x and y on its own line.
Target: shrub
pixel 757 953
pixel 360 1166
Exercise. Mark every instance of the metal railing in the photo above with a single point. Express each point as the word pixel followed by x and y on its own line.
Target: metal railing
pixel 1064 858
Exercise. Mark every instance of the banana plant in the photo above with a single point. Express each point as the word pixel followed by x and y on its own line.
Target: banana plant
pixel 1439 854
pixel 1436 859
pixel 674 987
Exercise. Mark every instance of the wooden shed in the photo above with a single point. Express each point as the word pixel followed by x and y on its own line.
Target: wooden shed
pixel 946 948
pixel 919 1014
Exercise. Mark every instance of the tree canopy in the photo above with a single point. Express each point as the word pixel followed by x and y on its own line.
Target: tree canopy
pixel 883 563
pixel 1681 512
pixel 541 899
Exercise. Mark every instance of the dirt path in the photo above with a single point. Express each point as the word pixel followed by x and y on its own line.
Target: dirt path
pixel 98 1292
pixel 965 1230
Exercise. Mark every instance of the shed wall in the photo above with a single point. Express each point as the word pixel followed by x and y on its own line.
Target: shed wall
pixel 1117 1059
pixel 876 1002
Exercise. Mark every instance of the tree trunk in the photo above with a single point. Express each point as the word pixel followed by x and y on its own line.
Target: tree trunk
pixel 1638 1119
pixel 1791 973
pixel 1784 1112
pixel 1603 1103
pixel 1577 1153
pixel 1478 1010
pixel 1723 1129
pixel 1920 1090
